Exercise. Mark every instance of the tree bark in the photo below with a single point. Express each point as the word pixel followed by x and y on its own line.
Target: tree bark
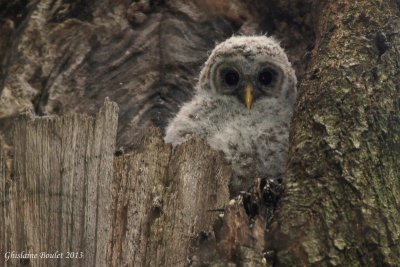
pixel 341 205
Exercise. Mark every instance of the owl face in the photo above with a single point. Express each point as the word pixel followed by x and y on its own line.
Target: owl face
pixel 249 69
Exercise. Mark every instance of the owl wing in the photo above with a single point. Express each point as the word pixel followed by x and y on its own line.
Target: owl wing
pixel 191 120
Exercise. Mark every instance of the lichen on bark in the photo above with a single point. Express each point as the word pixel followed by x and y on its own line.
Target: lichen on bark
pixel 343 186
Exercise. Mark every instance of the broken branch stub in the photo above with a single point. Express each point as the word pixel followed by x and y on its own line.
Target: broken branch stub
pixel 163 200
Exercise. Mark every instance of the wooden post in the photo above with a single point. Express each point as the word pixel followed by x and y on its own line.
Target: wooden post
pixel 64 200
pixel 58 201
pixel 164 198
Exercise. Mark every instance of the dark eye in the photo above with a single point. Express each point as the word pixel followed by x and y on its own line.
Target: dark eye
pixel 231 77
pixel 265 77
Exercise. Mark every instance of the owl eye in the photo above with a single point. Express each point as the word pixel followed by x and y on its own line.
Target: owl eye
pixel 231 77
pixel 265 77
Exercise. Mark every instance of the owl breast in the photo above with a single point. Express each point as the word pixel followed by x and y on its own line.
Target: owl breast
pixel 255 141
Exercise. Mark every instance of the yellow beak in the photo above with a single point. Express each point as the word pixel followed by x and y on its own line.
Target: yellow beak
pixel 248 96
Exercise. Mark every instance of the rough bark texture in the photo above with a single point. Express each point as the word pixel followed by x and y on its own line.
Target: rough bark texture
pixel 59 195
pixel 342 201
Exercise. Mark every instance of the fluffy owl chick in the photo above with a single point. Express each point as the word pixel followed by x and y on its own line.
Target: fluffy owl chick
pixel 242 106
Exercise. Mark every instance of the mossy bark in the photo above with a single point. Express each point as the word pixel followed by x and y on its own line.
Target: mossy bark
pixel 342 201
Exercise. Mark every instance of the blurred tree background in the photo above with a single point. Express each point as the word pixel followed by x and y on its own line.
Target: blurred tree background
pixel 67 56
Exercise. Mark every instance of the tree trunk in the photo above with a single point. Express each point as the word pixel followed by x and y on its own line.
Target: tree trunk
pixel 341 204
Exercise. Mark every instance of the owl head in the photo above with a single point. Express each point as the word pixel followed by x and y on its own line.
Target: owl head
pixel 249 68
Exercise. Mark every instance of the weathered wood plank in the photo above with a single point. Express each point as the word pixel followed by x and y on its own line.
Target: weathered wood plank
pixel 4 209
pixel 64 197
pixel 60 196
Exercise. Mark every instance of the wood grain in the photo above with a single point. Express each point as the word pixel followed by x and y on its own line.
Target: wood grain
pixel 59 199
pixel 64 196
pixel 163 198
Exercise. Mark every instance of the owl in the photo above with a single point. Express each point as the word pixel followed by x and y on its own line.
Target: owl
pixel 242 106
